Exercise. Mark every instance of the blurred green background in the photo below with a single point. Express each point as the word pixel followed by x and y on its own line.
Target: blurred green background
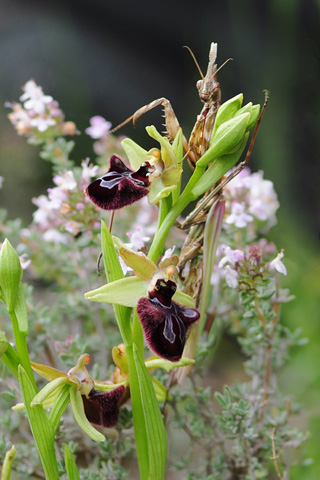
pixel 108 58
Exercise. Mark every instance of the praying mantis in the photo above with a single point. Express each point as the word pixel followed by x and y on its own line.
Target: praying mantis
pixel 199 141
pixel 209 93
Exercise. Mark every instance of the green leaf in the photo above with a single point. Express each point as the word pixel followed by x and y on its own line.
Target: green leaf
pixel 10 274
pixel 80 416
pixel 71 466
pixel 114 272
pixel 150 433
pixel 20 310
pixel 40 427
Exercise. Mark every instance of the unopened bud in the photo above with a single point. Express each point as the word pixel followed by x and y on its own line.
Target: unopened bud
pixel 228 110
pixel 226 139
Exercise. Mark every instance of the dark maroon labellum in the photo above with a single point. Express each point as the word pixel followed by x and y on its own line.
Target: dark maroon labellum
pixel 102 408
pixel 120 186
pixel 165 323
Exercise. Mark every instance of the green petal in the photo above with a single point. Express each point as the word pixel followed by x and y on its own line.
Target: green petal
pixel 80 416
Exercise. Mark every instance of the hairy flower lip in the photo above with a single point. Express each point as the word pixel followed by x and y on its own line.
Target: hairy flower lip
pixel 165 323
pixel 102 408
pixel 120 186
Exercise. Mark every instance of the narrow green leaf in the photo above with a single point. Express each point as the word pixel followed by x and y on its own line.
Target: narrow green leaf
pixel 71 466
pixel 80 416
pixel 154 427
pixel 40 427
pixel 114 272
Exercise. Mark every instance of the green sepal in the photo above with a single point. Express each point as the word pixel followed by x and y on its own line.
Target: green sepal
pixel 140 264
pixel 10 274
pixel 80 416
pixel 47 372
pixel 71 466
pixel 218 168
pixel 48 390
pixel 226 139
pixel 128 291
pixel 40 427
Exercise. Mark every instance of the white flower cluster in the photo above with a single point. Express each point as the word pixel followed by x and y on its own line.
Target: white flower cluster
pixel 53 209
pixel 37 113
pixel 250 199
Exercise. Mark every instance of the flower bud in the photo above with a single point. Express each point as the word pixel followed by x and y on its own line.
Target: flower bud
pixel 228 110
pixel 226 139
pixel 10 274
pixel 254 111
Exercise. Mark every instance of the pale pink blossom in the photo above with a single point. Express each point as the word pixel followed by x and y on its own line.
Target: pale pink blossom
pixel 231 256
pixel 238 216
pixel 34 98
pixel 89 171
pixel 277 264
pixel 98 127
pixel 231 276
pixel 42 123
pixel 65 181
pixel 72 227
pixel 137 239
